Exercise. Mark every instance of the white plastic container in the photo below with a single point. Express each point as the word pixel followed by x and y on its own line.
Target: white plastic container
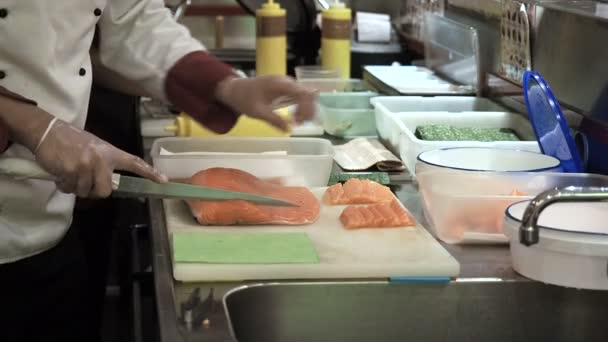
pixel 398 104
pixel 466 159
pixel 301 161
pixel 573 245
pixel 398 130
pixel 469 207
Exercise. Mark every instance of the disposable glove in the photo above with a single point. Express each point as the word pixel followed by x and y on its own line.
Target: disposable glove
pixel 256 97
pixel 83 164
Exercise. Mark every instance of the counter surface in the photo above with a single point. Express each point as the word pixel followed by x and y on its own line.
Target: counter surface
pixel 478 263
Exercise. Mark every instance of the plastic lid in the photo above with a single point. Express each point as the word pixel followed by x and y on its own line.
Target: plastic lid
pixel 549 123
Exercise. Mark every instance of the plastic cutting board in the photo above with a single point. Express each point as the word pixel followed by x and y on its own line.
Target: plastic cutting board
pixel 344 254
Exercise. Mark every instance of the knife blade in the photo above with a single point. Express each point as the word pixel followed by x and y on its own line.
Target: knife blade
pixel 126 186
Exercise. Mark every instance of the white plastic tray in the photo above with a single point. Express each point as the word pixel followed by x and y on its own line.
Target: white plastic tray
pixel 398 130
pixel 301 161
pixel 397 104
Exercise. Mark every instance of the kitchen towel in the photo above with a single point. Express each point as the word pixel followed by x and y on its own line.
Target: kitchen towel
pixel 243 248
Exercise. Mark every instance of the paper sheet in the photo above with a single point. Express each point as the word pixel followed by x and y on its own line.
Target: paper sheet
pixel 363 153
pixel 373 27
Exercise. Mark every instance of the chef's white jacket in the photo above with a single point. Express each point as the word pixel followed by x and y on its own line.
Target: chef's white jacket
pixel 44 56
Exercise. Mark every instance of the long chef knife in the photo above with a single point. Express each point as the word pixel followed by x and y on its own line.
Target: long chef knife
pixel 140 187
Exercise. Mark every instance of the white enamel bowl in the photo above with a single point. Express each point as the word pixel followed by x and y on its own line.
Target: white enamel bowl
pixel 573 246
pixel 486 159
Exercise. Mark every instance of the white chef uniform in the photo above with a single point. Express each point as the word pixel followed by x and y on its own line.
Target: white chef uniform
pixel 44 56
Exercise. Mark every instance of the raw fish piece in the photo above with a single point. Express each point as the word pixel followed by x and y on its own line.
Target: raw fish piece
pixel 239 212
pixel 379 215
pixel 357 191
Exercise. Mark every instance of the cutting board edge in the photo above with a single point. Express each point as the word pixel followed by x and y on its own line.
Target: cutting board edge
pixel 450 268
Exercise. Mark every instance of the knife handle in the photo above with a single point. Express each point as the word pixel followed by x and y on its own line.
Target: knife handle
pixel 20 168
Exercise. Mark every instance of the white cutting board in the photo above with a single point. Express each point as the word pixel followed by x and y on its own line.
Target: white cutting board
pixel 343 254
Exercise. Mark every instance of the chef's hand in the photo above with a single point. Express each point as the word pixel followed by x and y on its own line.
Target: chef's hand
pixel 83 164
pixel 255 97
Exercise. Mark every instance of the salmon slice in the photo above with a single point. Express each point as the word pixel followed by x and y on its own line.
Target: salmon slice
pixel 516 192
pixel 357 191
pixel 239 212
pixel 379 215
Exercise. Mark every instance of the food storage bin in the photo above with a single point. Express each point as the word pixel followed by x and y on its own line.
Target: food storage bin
pixel 397 130
pixel 348 114
pixel 300 161
pixel 469 207
pixel 398 104
pixel 315 71
pixel 325 85
pixel 329 85
pixel 387 106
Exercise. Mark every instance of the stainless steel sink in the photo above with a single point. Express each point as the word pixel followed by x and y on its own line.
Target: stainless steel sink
pixel 473 311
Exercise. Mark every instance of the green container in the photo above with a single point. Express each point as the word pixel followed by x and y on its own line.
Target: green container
pixel 348 114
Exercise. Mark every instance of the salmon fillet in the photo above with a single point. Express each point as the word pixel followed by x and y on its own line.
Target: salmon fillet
pixel 357 191
pixel 516 192
pixel 239 212
pixel 379 215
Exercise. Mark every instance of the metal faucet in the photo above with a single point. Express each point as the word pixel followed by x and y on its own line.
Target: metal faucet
pixel 529 231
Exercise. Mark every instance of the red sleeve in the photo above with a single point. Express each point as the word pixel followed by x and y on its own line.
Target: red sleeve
pixel 191 84
pixel 4 142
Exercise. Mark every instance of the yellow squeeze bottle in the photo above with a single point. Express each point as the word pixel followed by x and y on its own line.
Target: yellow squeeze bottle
pixel 185 126
pixel 335 41
pixel 271 41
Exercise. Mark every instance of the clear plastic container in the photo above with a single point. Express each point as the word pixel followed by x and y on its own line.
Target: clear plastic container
pixel 469 207
pixel 327 85
pixel 398 104
pixel 397 129
pixel 452 49
pixel 348 114
pixel 315 71
pixel 300 161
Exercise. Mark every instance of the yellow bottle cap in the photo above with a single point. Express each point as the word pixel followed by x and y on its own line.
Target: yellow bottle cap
pixel 271 9
pixel 338 11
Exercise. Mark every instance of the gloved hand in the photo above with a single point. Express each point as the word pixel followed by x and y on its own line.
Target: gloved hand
pixel 83 164
pixel 255 97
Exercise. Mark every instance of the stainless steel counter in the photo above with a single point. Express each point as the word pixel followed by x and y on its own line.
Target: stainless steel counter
pixel 487 290
pixel 492 263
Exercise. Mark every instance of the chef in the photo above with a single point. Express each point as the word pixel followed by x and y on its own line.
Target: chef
pixel 45 81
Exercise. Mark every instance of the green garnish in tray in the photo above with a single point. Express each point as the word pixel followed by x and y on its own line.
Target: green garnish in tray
pixel 378 177
pixel 449 133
